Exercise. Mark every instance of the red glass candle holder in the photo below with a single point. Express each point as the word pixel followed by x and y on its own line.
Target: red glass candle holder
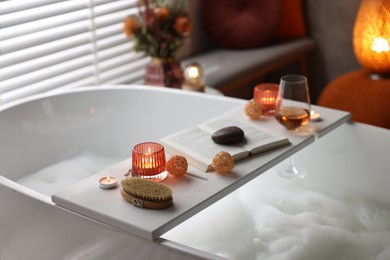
pixel 265 95
pixel 148 161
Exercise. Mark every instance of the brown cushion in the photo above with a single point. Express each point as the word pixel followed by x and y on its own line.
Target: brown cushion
pixel 292 21
pixel 240 24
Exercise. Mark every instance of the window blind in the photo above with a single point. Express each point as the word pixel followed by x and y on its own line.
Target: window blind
pixel 49 45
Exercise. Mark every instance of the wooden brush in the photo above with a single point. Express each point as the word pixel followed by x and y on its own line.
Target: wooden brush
pixel 144 193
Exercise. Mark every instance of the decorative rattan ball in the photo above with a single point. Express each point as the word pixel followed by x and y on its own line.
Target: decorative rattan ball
pixel 223 162
pixel 177 165
pixel 253 110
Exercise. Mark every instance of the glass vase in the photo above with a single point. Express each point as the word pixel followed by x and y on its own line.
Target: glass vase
pixel 165 72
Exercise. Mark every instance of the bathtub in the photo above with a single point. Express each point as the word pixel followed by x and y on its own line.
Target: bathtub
pixel 100 124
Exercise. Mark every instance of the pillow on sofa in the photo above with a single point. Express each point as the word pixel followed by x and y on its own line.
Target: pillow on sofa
pixel 292 21
pixel 239 24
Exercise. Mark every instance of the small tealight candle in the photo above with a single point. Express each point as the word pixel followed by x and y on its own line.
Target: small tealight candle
pixel 148 161
pixel 193 74
pixel 107 182
pixel 265 95
pixel 314 116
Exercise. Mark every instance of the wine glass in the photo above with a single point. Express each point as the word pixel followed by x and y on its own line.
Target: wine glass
pixel 292 110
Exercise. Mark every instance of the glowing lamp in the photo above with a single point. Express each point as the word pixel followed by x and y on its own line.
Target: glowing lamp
pixel 193 75
pixel 371 36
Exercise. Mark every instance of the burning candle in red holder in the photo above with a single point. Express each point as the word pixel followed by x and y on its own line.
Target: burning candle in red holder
pixel 265 95
pixel 148 161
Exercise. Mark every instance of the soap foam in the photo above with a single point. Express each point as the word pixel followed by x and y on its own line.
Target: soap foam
pixel 276 218
pixel 56 177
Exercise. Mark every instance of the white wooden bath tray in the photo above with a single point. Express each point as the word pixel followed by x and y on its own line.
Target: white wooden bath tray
pixel 191 194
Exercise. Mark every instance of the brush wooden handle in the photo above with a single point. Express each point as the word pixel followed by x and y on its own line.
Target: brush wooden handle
pixel 140 203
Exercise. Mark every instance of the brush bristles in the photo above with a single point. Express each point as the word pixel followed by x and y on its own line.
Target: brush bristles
pixel 146 189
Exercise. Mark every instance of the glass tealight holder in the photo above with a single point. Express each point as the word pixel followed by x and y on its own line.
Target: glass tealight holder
pixel 148 161
pixel 193 75
pixel 265 95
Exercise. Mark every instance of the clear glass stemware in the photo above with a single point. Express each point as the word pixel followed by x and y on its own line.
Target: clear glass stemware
pixel 292 110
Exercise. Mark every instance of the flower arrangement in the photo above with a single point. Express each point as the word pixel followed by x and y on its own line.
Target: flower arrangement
pixel 159 28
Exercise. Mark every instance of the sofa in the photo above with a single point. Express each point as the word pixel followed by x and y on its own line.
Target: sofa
pixel 324 53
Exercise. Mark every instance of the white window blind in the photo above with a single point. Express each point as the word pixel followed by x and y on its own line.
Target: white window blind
pixel 48 45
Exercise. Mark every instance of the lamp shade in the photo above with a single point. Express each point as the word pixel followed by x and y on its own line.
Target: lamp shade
pixel 371 36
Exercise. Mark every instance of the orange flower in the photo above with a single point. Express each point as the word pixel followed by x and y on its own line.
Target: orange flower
pixel 183 25
pixel 161 13
pixel 130 25
pixel 159 27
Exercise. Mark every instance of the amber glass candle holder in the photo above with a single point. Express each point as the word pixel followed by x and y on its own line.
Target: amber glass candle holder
pixel 148 161
pixel 265 95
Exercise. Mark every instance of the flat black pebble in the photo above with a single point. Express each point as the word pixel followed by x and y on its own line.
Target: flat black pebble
pixel 228 135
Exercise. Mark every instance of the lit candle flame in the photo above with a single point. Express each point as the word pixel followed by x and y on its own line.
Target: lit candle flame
pixel 314 116
pixel 193 72
pixel 380 45
pixel 107 182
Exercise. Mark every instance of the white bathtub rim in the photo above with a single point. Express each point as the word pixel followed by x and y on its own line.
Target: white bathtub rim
pixel 16 187
pixel 56 93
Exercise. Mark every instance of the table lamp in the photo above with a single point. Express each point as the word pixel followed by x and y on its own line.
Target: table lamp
pixel 371 37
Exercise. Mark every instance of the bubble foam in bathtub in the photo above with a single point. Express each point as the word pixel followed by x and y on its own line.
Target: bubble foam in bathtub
pixel 275 218
pixel 58 176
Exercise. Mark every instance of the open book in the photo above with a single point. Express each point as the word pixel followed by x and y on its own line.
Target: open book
pixel 199 149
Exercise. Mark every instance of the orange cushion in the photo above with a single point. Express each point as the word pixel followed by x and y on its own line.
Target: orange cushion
pixel 292 20
pixel 365 98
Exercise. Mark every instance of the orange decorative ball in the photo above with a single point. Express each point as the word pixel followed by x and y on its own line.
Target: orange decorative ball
pixel 253 110
pixel 223 162
pixel 177 165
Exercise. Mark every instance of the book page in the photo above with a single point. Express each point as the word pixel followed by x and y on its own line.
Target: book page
pixel 257 139
pixel 198 147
